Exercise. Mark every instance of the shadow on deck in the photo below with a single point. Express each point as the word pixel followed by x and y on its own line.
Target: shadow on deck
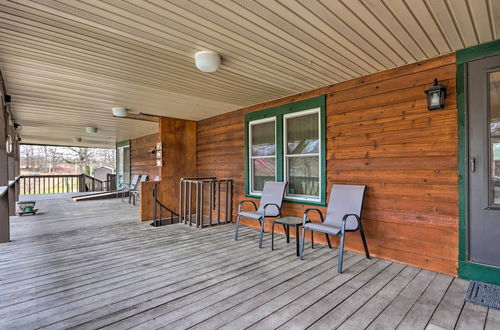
pixel 91 264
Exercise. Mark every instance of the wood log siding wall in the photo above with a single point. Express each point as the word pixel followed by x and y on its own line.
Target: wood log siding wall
pixel 379 133
pixel 142 162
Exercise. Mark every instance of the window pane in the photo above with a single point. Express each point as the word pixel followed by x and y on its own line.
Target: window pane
pixel 302 134
pixel 263 140
pixel 303 177
pixel 263 170
pixel 495 137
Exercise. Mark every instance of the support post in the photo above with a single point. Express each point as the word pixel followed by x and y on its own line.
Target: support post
pixel 11 171
pixel 17 167
pixel 4 178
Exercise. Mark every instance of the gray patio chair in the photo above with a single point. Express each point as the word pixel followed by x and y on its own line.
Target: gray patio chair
pixel 135 193
pixel 269 206
pixel 124 188
pixel 342 215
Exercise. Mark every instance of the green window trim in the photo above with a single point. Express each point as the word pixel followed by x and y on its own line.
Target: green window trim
pixel 466 269
pixel 278 112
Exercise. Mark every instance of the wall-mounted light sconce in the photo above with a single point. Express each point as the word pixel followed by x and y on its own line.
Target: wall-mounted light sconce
pixel 77 139
pixel 435 96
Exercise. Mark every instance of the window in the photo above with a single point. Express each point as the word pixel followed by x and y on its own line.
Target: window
pixel 287 143
pixel 262 137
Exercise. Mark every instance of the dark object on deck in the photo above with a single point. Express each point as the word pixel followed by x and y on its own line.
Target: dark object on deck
pixel 483 294
pixel 342 215
pixel 269 206
pixel 158 220
pixel 26 207
pixel 205 200
pixel 287 222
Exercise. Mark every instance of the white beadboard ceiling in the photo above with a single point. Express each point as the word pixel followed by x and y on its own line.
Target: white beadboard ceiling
pixel 67 63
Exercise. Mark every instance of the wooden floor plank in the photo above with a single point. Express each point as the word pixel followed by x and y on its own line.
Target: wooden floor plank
pixel 472 317
pixel 304 298
pixel 104 284
pixel 333 297
pixel 448 311
pixel 185 276
pixel 420 314
pixel 493 319
pixel 92 265
pixel 376 304
pixel 250 288
pixel 397 309
pixel 336 316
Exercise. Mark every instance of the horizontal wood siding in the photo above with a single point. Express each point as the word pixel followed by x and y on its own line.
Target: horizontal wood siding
pixel 379 133
pixel 142 161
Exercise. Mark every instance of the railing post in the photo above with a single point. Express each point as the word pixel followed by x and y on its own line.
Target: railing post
pixel 81 183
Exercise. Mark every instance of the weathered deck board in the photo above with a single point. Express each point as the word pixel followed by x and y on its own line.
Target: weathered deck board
pixel 100 268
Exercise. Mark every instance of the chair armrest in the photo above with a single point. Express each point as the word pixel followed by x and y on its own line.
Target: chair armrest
pixel 306 212
pixel 345 217
pixel 246 201
pixel 271 204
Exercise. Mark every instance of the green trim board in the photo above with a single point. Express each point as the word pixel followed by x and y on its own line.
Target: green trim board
pixel 478 272
pixel 278 112
pixel 476 52
pixel 466 269
pixel 123 143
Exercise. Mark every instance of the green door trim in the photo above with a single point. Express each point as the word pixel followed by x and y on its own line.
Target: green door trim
pixel 466 269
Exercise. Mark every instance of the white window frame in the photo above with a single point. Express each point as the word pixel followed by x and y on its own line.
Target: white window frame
pixel 286 174
pixel 251 158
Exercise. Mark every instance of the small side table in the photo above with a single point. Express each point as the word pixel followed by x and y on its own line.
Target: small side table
pixel 287 222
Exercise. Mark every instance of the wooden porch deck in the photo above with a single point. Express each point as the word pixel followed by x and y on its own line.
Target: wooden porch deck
pixel 91 265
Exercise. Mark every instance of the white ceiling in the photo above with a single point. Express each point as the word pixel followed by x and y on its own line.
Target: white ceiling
pixel 67 63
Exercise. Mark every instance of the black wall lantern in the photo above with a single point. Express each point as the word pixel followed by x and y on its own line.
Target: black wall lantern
pixel 435 96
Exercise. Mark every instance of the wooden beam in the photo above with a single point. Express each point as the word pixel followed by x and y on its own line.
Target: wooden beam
pixel 142 117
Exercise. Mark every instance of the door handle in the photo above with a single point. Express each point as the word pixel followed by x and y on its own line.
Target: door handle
pixel 473 164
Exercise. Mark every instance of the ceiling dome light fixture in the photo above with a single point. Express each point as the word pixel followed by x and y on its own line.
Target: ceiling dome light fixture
pixel 77 139
pixel 207 61
pixel 120 112
pixel 91 130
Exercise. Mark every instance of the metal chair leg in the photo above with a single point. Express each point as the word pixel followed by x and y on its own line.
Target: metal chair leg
pixel 272 236
pixel 302 243
pixel 362 232
pixel 237 227
pixel 341 247
pixel 328 240
pixel 297 239
pixel 261 232
pixel 312 239
pixel 287 233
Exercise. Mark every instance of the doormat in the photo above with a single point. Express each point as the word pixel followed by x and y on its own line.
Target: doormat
pixel 483 294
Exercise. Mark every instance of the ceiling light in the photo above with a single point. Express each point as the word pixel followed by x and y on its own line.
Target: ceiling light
pixel 120 112
pixel 207 61
pixel 77 139
pixel 91 130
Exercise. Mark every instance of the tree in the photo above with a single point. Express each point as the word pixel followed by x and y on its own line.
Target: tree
pixel 80 156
